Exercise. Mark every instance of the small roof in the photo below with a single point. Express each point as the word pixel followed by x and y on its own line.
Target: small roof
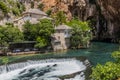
pixel 63 27
pixel 35 11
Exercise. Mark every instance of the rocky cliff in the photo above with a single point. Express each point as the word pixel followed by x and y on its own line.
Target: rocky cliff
pixel 104 15
pixel 110 10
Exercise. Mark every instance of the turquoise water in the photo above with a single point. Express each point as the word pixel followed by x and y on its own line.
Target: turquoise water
pixel 97 53
pixel 50 69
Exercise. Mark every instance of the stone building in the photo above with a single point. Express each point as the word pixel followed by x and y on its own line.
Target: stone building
pixel 32 15
pixel 61 38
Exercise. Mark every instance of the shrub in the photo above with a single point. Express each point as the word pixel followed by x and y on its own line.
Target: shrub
pixel 109 71
pixel 41 6
pixel 81 34
pixel 4 7
pixel 49 12
pixel 15 11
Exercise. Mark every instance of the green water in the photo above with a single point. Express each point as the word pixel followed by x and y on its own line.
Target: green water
pixel 97 53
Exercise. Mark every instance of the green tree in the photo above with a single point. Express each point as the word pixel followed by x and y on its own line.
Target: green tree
pixel 59 18
pixel 10 34
pixel 46 28
pixel 30 31
pixel 13 34
pixel 2 41
pixel 15 11
pixel 41 42
pixel 13 6
pixel 116 56
pixel 81 34
pixel 4 7
pixel 41 31
pixel 109 71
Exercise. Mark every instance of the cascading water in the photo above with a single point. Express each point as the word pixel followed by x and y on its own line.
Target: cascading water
pixel 49 69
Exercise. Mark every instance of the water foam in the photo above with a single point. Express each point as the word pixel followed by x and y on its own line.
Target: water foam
pixel 53 67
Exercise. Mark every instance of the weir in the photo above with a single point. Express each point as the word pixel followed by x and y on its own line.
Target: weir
pixel 11 67
pixel 49 69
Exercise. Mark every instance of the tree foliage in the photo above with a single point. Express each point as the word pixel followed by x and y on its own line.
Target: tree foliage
pixel 30 31
pixel 41 42
pixel 15 11
pixel 81 34
pixel 41 32
pixel 59 18
pixel 8 6
pixel 4 7
pixel 116 56
pixel 10 34
pixel 109 71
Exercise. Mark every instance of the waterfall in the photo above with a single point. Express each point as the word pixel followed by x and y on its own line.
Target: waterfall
pixel 12 67
pixel 48 69
pixel 15 66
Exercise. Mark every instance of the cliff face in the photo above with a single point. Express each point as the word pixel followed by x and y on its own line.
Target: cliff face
pixel 110 9
pixel 104 14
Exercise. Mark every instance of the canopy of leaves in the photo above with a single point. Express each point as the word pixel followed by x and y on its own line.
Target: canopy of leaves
pixel 81 34
pixel 10 34
pixel 59 18
pixel 41 31
pixel 30 31
pixel 109 71
pixel 4 7
pixel 116 56
pixel 11 6
pixel 41 42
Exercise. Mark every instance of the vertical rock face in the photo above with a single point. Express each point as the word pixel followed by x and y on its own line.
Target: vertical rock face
pixel 104 14
pixel 110 9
